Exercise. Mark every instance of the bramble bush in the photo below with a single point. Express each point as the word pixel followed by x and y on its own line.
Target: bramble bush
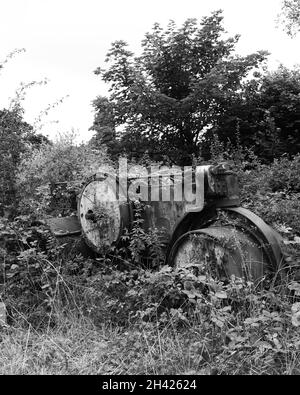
pixel 233 326
pixel 272 191
pixel 51 174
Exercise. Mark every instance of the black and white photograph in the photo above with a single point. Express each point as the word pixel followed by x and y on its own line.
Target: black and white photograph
pixel 149 190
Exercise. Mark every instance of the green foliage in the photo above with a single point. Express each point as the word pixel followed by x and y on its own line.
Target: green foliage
pixel 235 327
pixel 17 138
pixel 26 272
pixel 165 99
pixel 13 134
pixel 272 192
pixel 283 175
pixel 279 103
pixel 145 247
pixel 265 116
pixel 186 88
pixel 290 16
pixel 104 125
pixel 49 176
pixel 37 272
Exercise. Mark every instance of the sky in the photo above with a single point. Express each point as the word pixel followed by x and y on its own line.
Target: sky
pixel 66 40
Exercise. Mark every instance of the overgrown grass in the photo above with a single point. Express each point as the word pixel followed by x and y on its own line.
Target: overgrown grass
pixel 76 346
pixel 174 323
pixel 80 348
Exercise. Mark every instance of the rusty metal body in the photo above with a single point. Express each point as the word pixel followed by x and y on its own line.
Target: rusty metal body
pixel 189 229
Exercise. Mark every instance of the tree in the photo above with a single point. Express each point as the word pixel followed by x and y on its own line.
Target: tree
pixel 164 100
pixel 266 115
pixel 17 137
pixel 104 124
pixel 13 133
pixel 290 16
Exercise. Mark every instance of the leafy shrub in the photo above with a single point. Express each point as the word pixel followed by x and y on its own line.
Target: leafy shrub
pixel 271 191
pixel 144 247
pixel 283 175
pixel 27 274
pixel 34 270
pixel 56 171
pixel 229 327
pixel 241 328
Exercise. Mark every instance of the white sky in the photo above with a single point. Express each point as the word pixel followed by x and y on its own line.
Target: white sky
pixel 65 40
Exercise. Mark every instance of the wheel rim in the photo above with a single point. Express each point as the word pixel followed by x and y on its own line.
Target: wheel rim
pixel 221 252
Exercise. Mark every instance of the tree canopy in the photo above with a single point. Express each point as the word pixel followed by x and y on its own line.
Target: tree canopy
pixel 265 116
pixel 181 84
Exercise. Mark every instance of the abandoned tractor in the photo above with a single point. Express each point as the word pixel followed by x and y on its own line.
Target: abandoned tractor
pixel 198 214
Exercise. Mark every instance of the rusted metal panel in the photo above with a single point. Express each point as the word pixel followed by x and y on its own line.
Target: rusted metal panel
pixel 272 238
pixel 64 226
pixel 103 217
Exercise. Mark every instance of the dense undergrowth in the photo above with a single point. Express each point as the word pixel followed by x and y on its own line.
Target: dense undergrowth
pixel 119 314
